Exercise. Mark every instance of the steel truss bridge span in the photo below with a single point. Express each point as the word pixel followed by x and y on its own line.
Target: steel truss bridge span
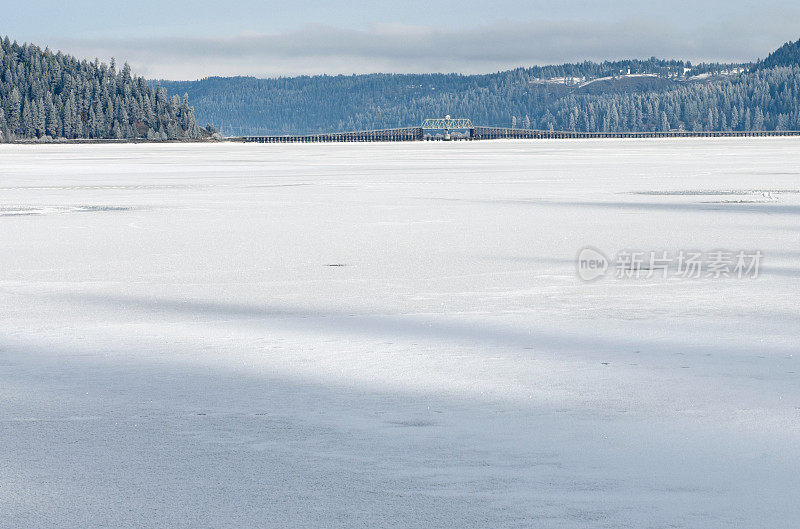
pixel 447 123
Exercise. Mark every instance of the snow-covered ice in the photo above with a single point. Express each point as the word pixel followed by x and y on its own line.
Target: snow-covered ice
pixel 394 335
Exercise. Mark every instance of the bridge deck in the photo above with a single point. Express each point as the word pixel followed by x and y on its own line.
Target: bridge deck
pixel 490 133
pixel 404 134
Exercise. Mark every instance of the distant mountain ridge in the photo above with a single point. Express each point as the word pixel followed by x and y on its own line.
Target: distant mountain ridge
pixel 46 95
pixel 630 95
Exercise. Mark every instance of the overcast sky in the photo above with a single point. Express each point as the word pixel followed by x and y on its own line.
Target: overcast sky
pixel 182 39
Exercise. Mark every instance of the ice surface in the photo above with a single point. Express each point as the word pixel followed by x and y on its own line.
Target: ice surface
pixel 394 335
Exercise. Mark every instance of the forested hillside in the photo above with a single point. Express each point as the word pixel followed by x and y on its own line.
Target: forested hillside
pixel 46 95
pixel 630 95
pixel 765 100
pixel 786 55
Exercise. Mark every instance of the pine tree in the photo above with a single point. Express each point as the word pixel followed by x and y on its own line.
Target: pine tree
pixel 664 126
pixel 27 128
pixel 14 110
pixel 758 120
pixel 3 124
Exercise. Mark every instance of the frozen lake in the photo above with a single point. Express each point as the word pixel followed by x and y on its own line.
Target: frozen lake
pixel 395 335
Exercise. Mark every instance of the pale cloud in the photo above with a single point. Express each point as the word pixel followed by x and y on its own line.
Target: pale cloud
pixel 413 48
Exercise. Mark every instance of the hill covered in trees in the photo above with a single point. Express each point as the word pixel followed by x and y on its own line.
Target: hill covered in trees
pixel 46 95
pixel 786 55
pixel 631 95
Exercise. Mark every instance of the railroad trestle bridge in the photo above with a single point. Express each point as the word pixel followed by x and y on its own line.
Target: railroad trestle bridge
pixel 448 129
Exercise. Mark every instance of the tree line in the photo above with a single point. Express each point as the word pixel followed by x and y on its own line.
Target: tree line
pixel 786 55
pixel 768 99
pixel 634 95
pixel 46 95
